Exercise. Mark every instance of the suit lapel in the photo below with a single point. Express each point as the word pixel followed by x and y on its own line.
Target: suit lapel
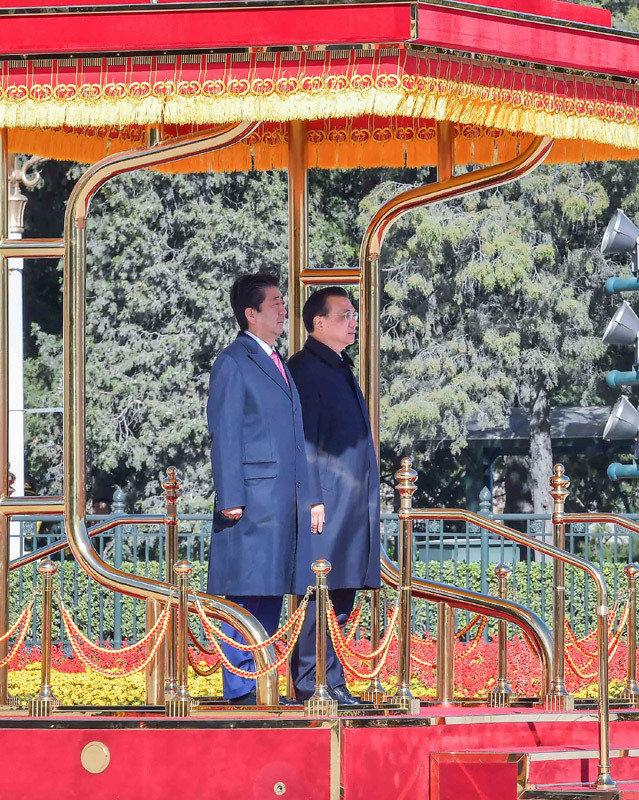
pixel 269 368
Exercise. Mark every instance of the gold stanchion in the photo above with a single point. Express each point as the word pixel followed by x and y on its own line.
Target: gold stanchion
pixel 445 654
pixel 172 486
pixel 375 692
pixel 291 608
pixel 501 695
pixel 42 704
pixel 154 675
pixel 179 704
pixel 631 689
pixel 406 478
pixel 558 699
pixel 321 704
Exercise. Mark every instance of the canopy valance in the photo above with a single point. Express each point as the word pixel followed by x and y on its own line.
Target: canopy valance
pixel 370 101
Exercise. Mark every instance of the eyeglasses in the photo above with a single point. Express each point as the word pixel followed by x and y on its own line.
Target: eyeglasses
pixel 346 315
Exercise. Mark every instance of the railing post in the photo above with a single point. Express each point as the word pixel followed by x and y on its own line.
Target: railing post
pixel 291 608
pixel 445 654
pixel 321 704
pixel 154 675
pixel 179 704
pixel 406 478
pixel 558 698
pixel 374 692
pixel 631 690
pixel 172 486
pixel 42 705
pixel 486 510
pixel 500 696
pixel 117 507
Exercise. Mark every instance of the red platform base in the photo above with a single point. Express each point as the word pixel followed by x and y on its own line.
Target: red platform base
pixel 445 754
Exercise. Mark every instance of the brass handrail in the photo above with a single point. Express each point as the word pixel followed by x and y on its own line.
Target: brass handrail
pixel 604 780
pixel 47 550
pixel 477 603
pixel 74 445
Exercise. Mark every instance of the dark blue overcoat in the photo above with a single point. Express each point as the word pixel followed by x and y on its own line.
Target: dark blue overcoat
pixel 342 460
pixel 259 462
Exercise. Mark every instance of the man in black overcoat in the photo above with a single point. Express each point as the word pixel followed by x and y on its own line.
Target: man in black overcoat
pixel 342 462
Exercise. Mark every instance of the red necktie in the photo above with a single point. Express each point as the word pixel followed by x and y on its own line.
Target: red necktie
pixel 275 358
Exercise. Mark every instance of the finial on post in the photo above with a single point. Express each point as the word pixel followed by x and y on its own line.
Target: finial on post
pixel 406 478
pixel 172 486
pixel 559 484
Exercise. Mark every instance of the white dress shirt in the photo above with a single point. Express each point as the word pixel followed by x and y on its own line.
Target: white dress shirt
pixel 266 347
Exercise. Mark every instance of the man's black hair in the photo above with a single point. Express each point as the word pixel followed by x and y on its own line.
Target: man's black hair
pixel 316 304
pixel 248 291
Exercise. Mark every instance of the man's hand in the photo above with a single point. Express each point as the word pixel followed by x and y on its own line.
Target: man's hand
pixel 318 518
pixel 232 513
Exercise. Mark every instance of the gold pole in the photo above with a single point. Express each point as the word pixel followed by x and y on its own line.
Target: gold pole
pixel 445 150
pixel 154 676
pixel 558 698
pixel 500 696
pixel 321 704
pixel 406 478
pixel 297 230
pixel 375 692
pixel 445 654
pixel 172 486
pixel 291 608
pixel 180 702
pixel 42 705
pixel 4 410
pixel 631 690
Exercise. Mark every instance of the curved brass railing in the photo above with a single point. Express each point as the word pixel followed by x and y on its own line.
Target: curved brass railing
pixel 74 329
pixel 457 514
pixel 447 187
pixel 47 550
pixel 467 600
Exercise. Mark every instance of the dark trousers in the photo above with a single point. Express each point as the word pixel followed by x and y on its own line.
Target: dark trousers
pixel 304 657
pixel 267 610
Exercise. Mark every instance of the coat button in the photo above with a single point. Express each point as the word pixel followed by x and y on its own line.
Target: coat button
pixel 299 449
pixel 299 484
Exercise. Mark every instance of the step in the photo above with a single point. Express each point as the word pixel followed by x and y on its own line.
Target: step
pixel 578 765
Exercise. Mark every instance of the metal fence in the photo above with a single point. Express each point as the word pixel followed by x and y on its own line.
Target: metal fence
pixel 449 552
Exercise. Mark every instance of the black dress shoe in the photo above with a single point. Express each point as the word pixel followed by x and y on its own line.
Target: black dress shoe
pixel 248 699
pixel 343 696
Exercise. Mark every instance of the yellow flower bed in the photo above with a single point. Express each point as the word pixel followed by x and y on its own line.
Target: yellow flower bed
pixel 90 688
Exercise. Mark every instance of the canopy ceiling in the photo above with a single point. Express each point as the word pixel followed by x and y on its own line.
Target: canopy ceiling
pixel 368 103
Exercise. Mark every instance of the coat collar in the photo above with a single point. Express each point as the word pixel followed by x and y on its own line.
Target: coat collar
pixel 259 356
pixel 324 352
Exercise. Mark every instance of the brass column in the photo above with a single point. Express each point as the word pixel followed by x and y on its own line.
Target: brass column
pixel 558 698
pixel 445 654
pixel 297 230
pixel 42 705
pixel 172 486
pixel 406 478
pixel 4 410
pixel 374 692
pixel 500 696
pixel 178 703
pixel 631 690
pixel 321 704
pixel 155 671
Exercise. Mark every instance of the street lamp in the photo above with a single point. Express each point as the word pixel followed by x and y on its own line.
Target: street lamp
pixel 622 425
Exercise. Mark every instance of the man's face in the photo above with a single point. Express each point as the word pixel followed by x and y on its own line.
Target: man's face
pixel 336 327
pixel 268 323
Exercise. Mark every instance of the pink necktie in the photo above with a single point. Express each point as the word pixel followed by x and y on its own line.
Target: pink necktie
pixel 275 358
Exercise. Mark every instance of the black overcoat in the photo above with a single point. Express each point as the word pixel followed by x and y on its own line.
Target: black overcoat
pixel 259 462
pixel 341 459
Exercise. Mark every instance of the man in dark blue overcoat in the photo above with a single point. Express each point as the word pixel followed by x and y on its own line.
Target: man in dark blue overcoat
pixel 342 461
pixel 263 496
